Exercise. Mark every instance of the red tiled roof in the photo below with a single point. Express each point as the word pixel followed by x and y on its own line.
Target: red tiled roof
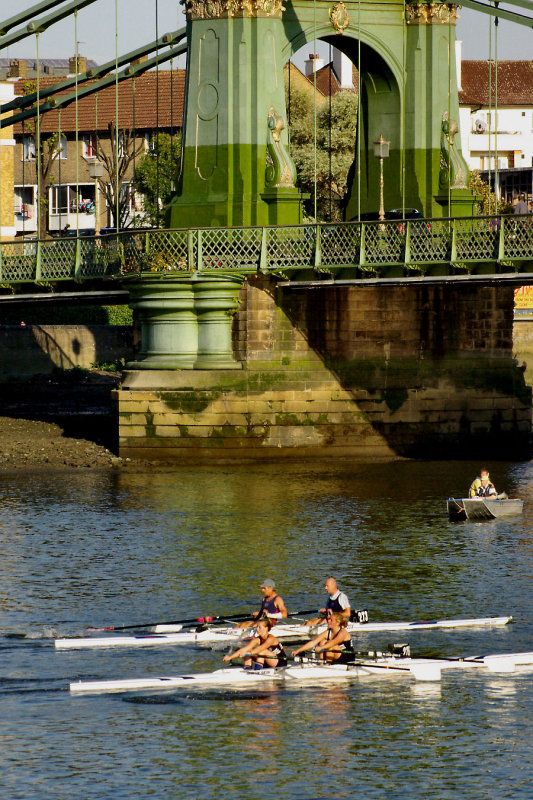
pixel 153 108
pixel 515 83
pixel 327 81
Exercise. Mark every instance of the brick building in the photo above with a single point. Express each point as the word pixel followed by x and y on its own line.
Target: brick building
pixel 72 188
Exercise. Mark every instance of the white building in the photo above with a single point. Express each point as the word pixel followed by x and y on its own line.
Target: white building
pixel 496 122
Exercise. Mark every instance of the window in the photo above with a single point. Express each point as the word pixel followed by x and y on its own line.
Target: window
pixel 62 147
pixel 89 146
pixel 29 153
pixel 64 199
pixel 59 197
pixel 149 141
pixel 24 201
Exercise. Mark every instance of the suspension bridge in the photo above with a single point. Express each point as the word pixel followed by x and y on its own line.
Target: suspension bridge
pixel 237 356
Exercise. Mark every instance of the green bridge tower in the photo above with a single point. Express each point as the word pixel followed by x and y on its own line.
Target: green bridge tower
pixel 236 167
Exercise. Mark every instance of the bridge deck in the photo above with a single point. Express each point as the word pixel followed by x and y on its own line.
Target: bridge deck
pixel 437 249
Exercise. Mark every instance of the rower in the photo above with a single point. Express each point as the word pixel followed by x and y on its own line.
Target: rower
pixel 337 602
pixel 263 650
pixel 272 605
pixel 333 645
pixel 482 486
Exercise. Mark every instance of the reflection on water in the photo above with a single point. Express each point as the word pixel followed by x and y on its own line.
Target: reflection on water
pixel 99 549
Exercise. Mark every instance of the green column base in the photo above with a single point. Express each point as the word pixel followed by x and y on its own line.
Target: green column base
pixel 284 206
pixel 168 323
pixel 215 302
pixel 460 203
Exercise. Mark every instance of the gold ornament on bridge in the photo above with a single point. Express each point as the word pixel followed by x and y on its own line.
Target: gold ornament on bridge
pixel 431 14
pixel 452 174
pixel 338 15
pixel 213 9
pixel 280 170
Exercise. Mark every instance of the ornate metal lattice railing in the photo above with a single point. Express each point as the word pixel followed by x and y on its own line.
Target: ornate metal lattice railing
pixel 359 249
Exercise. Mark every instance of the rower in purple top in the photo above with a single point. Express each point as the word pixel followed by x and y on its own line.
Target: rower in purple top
pixel 272 605
pixel 337 603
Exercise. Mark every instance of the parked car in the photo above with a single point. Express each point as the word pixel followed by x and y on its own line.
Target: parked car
pixel 395 213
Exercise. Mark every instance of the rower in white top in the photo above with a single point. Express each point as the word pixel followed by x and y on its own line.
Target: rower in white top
pixel 337 602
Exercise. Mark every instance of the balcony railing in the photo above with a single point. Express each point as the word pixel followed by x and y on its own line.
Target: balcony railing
pixel 365 249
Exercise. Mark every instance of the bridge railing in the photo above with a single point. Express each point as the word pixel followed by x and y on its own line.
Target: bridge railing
pixel 459 245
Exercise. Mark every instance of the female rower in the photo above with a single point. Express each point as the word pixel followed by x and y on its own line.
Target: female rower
pixel 263 650
pixel 334 644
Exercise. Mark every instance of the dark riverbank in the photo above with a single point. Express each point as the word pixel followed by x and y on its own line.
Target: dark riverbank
pixel 63 421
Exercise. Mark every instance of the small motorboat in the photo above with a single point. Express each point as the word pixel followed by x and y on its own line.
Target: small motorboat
pixel 483 508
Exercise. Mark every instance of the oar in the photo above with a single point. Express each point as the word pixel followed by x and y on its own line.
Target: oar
pixel 196 621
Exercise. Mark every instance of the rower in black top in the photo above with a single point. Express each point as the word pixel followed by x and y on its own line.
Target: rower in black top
pixel 272 605
pixel 263 650
pixel 333 645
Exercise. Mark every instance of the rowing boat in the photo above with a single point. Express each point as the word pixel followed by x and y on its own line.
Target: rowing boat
pixel 212 636
pixel 310 671
pixel 483 508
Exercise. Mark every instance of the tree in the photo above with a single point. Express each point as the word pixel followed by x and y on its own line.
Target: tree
pixel 487 203
pixel 116 157
pixel 47 150
pixel 155 175
pixel 336 133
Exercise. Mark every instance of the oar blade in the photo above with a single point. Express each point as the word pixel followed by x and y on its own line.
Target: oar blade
pixel 426 670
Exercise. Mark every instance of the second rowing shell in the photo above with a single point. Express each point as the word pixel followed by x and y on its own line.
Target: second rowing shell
pixel 231 635
pixel 420 669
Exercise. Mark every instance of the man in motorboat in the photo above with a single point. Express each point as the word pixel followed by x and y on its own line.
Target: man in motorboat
pixel 486 489
pixel 333 645
pixel 272 605
pixel 336 602
pixel 482 486
pixel 263 650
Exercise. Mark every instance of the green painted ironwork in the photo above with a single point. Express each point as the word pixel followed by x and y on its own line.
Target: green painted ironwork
pixel 38 25
pixel 439 246
pixel 94 73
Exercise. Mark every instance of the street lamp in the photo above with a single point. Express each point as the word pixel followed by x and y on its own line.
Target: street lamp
pixel 381 151
pixel 96 170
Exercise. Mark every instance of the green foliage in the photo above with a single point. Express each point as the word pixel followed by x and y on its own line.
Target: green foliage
pixel 118 315
pixel 109 366
pixel 487 203
pixel 67 315
pixel 155 174
pixel 336 133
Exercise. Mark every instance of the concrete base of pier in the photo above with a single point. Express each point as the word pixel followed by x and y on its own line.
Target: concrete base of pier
pixel 342 373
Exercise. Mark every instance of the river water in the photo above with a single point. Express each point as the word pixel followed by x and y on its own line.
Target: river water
pixel 119 548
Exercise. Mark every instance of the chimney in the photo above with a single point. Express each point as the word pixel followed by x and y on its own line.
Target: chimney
pixel 18 68
pixel 458 58
pixel 139 60
pixel 82 65
pixel 313 64
pixel 342 67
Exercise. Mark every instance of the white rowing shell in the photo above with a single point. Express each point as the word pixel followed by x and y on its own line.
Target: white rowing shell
pixel 420 669
pixel 237 676
pixel 285 632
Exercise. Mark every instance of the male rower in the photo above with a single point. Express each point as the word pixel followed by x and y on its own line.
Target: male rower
pixel 337 603
pixel 272 605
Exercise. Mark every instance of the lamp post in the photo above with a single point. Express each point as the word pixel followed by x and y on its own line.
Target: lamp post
pixel 381 151
pixel 96 170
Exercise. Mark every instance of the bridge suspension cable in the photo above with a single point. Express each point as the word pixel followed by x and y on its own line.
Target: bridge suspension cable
pixel 40 25
pixel 97 72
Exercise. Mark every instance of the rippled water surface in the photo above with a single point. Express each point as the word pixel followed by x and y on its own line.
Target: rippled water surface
pixel 104 549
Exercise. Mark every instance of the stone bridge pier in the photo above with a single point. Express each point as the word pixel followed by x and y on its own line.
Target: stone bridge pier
pixel 352 372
